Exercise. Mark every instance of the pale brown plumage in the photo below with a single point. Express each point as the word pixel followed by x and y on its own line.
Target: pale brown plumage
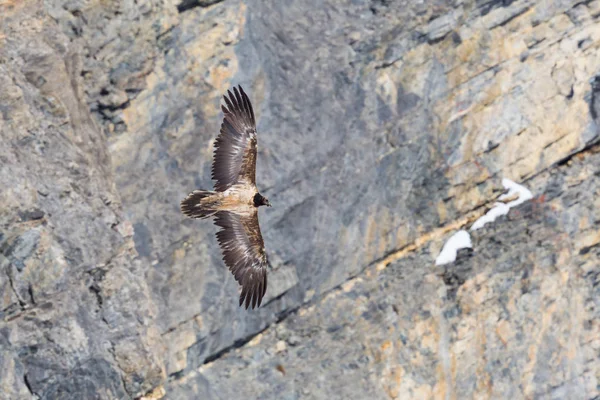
pixel 235 201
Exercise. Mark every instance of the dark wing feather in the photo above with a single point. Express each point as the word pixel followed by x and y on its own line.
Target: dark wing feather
pixel 235 147
pixel 244 253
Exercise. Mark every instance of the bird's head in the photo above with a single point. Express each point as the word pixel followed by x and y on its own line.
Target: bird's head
pixel 266 202
pixel 260 200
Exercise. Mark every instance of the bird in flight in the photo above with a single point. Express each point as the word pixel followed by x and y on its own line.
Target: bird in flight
pixel 234 202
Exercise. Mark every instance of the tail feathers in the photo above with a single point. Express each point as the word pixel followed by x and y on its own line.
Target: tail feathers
pixel 194 207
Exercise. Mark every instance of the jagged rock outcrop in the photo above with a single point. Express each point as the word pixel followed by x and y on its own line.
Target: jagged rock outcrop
pixel 384 127
pixel 77 313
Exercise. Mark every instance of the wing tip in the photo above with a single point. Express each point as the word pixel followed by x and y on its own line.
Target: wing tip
pixel 253 291
pixel 239 104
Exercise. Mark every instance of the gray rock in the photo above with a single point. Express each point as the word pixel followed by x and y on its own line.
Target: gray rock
pixel 441 26
pixel 383 126
pixel 67 331
pixel 507 320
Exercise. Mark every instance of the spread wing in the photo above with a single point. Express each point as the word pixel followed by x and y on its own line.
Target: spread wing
pixel 244 253
pixel 235 147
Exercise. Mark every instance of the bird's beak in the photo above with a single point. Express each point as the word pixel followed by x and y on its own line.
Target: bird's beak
pixel 268 204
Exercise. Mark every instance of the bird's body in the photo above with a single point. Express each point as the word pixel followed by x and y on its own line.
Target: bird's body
pixel 238 199
pixel 234 202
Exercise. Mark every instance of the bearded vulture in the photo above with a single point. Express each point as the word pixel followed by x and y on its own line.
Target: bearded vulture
pixel 234 202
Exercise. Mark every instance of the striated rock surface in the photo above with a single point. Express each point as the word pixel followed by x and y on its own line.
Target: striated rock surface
pixel 517 317
pixel 385 126
pixel 78 320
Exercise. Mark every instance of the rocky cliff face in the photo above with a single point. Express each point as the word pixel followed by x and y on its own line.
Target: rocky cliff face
pixel 385 126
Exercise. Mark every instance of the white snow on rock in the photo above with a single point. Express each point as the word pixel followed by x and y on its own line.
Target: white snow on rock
pixel 460 240
pixel 514 188
pixel 501 208
pixel 498 210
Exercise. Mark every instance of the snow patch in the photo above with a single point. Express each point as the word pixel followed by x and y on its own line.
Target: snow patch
pixel 514 188
pixel 460 240
pixel 499 209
